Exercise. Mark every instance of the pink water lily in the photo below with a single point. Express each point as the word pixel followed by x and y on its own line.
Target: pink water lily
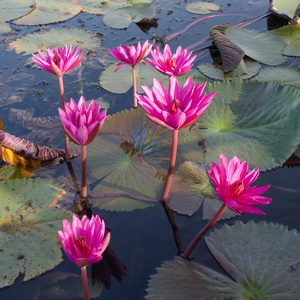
pixel 58 62
pixel 177 64
pixel 232 185
pixel 82 123
pixel 84 241
pixel 130 55
pixel 175 109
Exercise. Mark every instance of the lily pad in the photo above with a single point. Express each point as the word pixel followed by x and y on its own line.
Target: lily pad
pixel 122 18
pixel 284 8
pixel 121 81
pixel 4 27
pixel 201 8
pixel 260 257
pixel 29 219
pixel 190 188
pixel 12 9
pixel 258 122
pixel 290 35
pixel 46 12
pixel 56 37
pixel 247 69
pixel 261 46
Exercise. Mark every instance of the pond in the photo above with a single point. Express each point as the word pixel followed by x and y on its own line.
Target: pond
pixel 256 120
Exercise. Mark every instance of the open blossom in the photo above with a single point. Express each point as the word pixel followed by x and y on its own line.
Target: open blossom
pixel 177 64
pixel 84 241
pixel 58 62
pixel 130 55
pixel 81 123
pixel 232 185
pixel 175 109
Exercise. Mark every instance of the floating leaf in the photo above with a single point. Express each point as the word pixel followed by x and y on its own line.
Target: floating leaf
pixel 260 257
pixel 290 35
pixel 122 18
pixel 284 8
pixel 183 279
pixel 258 122
pixel 121 81
pixel 261 46
pixel 190 188
pixel 56 37
pixel 12 9
pixel 201 8
pixel 46 12
pixel 29 219
pixel 247 69
pixel 4 27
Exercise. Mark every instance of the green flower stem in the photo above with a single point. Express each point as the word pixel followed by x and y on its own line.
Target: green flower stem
pixel 62 95
pixel 85 283
pixel 171 167
pixel 135 105
pixel 204 230
pixel 83 172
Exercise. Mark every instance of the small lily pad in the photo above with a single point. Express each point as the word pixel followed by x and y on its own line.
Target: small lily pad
pixel 12 9
pixel 122 18
pixel 201 8
pixel 56 37
pixel 121 81
pixel 46 12
pixel 29 219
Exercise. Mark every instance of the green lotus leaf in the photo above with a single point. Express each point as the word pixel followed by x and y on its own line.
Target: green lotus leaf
pixel 258 122
pixel 284 8
pixel 4 27
pixel 284 75
pixel 122 18
pixel 29 219
pixel 12 9
pixel 201 8
pixel 246 69
pixel 46 12
pixel 261 46
pixel 56 37
pixel 290 35
pixel 263 258
pixel 121 81
pixel 190 188
pixel 182 279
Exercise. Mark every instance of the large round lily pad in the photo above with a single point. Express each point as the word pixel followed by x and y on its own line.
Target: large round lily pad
pixel 258 122
pixel 56 37
pixel 46 12
pixel 12 9
pixel 29 219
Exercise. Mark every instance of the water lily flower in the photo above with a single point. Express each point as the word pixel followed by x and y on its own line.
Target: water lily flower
pixel 84 241
pixel 58 62
pixel 232 185
pixel 82 123
pixel 177 64
pixel 130 55
pixel 175 109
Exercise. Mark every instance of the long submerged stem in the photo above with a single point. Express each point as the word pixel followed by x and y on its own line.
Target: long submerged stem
pixel 204 230
pixel 171 167
pixel 85 283
pixel 135 105
pixel 83 172
pixel 62 95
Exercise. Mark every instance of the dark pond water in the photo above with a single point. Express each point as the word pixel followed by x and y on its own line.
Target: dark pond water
pixel 142 239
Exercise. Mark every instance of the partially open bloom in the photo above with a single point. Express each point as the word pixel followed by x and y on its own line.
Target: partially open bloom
pixel 232 185
pixel 130 55
pixel 177 64
pixel 176 109
pixel 81 123
pixel 58 62
pixel 84 241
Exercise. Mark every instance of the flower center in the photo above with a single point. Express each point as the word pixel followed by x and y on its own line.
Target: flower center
pixel 237 187
pixel 170 62
pixel 82 245
pixel 56 58
pixel 175 104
